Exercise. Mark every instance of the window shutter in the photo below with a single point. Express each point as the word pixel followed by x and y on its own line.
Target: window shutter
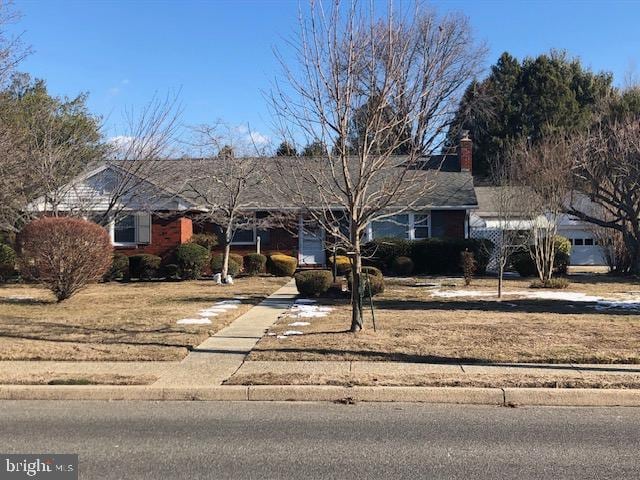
pixel 143 227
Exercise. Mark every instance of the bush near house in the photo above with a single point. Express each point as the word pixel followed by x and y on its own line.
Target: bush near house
pixel 374 278
pixel 434 256
pixel 255 263
pixel 554 283
pixel 523 263
pixel 281 265
pixel 119 268
pixel 205 240
pixel 235 263
pixel 314 283
pixel 343 264
pixel 191 259
pixel 8 260
pixel 170 271
pixel 144 266
pixel 65 254
pixel 402 266
pixel 469 266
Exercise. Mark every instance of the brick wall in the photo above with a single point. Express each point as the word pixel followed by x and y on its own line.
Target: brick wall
pixel 166 235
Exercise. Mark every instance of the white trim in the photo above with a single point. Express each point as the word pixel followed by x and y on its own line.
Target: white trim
pixel 300 234
pixel 254 230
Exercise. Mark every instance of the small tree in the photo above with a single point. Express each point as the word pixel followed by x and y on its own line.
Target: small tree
pixel 286 149
pixel 469 266
pixel 65 254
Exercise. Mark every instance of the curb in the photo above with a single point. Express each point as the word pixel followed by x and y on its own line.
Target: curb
pixel 327 393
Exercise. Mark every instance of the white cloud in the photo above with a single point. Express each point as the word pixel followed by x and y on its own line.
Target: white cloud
pixel 259 139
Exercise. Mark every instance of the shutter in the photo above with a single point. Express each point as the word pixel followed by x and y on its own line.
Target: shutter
pixel 143 227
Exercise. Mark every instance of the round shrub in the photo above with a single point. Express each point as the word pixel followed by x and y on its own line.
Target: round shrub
pixel 233 268
pixel 374 271
pixel 205 240
pixel 282 265
pixel 119 267
pixel 65 254
pixel 522 263
pixel 191 259
pixel 553 283
pixel 343 264
pixel 314 283
pixel 255 263
pixel 170 271
pixel 8 259
pixel 402 266
pixel 144 266
pixel 376 282
pixel 563 254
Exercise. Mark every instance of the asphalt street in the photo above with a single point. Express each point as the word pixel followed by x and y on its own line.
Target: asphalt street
pixel 246 440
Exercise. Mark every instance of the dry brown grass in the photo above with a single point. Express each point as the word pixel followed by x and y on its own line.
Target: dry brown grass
pixel 442 380
pixel 117 321
pixel 6 378
pixel 415 327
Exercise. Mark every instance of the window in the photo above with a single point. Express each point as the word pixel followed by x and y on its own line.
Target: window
pixel 125 230
pixel 132 228
pixel 588 242
pixel 396 226
pixel 420 226
pixel 578 242
pixel 244 237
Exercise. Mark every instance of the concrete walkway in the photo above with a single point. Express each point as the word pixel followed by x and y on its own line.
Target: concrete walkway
pixel 221 355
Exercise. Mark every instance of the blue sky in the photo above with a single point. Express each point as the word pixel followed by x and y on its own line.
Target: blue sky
pixel 219 53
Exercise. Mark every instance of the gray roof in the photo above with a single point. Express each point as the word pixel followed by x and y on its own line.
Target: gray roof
pixel 489 199
pixel 448 189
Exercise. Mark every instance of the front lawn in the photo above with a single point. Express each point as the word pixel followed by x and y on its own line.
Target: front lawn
pixel 440 320
pixel 118 321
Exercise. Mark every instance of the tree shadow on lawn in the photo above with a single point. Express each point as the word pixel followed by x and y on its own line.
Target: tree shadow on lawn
pixel 377 356
pixel 506 306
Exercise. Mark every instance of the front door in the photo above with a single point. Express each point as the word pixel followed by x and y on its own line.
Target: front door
pixel 311 243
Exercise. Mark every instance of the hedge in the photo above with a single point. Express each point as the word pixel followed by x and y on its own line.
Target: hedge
pixel 205 240
pixel 119 268
pixel 144 266
pixel 402 266
pixel 430 256
pixel 523 263
pixel 8 260
pixel 342 262
pixel 255 263
pixel 376 281
pixel 234 267
pixel 191 259
pixel 282 265
pixel 314 282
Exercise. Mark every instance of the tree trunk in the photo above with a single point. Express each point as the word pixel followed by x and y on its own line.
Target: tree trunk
pixel 356 287
pixel 500 277
pixel 225 260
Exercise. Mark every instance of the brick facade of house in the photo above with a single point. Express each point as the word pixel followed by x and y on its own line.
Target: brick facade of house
pixel 166 234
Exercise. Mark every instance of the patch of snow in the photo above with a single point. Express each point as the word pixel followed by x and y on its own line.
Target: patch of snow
pixel 271 334
pixel 292 332
pixel 241 297
pixel 299 324
pixel 281 337
pixel 228 302
pixel 193 321
pixel 209 313
pixel 305 301
pixel 462 293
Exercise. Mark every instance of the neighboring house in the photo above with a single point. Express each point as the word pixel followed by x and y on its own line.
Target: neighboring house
pixel 490 218
pixel 156 219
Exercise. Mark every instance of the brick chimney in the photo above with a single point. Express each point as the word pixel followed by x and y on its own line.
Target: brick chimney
pixel 464 152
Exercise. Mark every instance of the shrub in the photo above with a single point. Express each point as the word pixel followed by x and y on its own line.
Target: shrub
pixel 383 251
pixel 402 266
pixel 119 267
pixel 205 240
pixel 523 263
pixel 65 254
pixel 234 267
pixel 375 279
pixel 7 262
pixel 469 266
pixel 171 271
pixel 255 263
pixel 191 259
pixel 442 255
pixel 282 265
pixel 343 264
pixel 556 283
pixel 314 282
pixel 144 266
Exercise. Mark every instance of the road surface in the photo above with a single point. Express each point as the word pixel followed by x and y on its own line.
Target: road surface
pixel 246 440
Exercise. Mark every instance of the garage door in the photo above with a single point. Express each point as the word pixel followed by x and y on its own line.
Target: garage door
pixel 585 250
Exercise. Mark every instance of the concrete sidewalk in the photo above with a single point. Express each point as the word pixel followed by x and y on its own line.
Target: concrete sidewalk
pixel 219 356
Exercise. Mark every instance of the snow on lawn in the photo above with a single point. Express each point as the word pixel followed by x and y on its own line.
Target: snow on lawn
pixel 299 324
pixel 194 321
pixel 213 311
pixel 303 308
pixel 576 297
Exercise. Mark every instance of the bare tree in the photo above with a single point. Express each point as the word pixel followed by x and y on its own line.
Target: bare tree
pixel 227 185
pixel 607 173
pixel 545 168
pixel 409 71
pixel 509 200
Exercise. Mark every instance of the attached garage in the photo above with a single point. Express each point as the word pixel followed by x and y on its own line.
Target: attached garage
pixel 585 249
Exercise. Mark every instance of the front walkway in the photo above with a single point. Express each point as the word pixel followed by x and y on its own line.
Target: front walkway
pixel 220 356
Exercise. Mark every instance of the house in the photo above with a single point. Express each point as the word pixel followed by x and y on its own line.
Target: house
pixel 490 217
pixel 157 214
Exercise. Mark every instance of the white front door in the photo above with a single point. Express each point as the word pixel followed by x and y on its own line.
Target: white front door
pixel 311 243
